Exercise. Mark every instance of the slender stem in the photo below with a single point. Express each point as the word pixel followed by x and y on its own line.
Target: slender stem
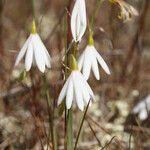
pixel 75 50
pixel 69 131
pixel 65 45
pixel 69 116
pixel 82 121
pixel 94 133
pixel 97 6
pixel 68 145
pixel 33 9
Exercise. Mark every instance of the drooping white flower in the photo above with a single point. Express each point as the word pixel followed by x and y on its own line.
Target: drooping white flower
pixel 89 59
pixel 77 88
pixel 35 52
pixel 78 20
pixel 142 109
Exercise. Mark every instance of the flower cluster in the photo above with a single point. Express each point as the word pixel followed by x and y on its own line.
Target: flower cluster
pixel 76 86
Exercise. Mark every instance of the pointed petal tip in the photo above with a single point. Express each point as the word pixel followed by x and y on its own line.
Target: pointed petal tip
pixel 16 64
pixel 27 69
pixel 93 98
pixel 68 106
pixel 42 70
pixel 108 72
pixel 81 108
pixel 97 78
pixel 59 101
pixel 18 59
pixel 90 103
pixel 86 77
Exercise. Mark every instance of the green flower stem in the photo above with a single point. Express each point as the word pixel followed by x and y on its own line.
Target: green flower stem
pixel 97 6
pixel 75 49
pixel 81 125
pixel 33 9
pixel 69 130
pixel 34 22
pixel 68 143
pixel 65 44
pixel 73 66
pixel 66 62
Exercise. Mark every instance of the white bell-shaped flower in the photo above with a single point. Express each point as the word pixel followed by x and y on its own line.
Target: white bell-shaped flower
pixel 78 20
pixel 89 59
pixel 77 88
pixel 143 108
pixel 35 52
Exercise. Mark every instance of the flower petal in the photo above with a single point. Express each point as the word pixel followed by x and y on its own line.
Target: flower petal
pixel 78 93
pixel 87 86
pixel 47 56
pixel 29 57
pixel 22 51
pixel 81 61
pixel 63 91
pixel 69 96
pixel 84 89
pixel 48 59
pixel 87 65
pixel 39 54
pixel 95 67
pixel 78 26
pixel 73 21
pixel 82 13
pixel 102 62
pixel 82 10
pixel 143 114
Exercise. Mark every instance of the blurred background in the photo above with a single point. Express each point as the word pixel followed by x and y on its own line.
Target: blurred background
pixel 119 119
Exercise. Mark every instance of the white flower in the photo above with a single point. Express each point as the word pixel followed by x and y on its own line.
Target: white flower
pixel 78 20
pixel 35 53
pixel 89 60
pixel 76 87
pixel 142 108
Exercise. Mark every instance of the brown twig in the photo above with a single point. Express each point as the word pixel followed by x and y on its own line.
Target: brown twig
pixel 108 143
pixel 99 142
